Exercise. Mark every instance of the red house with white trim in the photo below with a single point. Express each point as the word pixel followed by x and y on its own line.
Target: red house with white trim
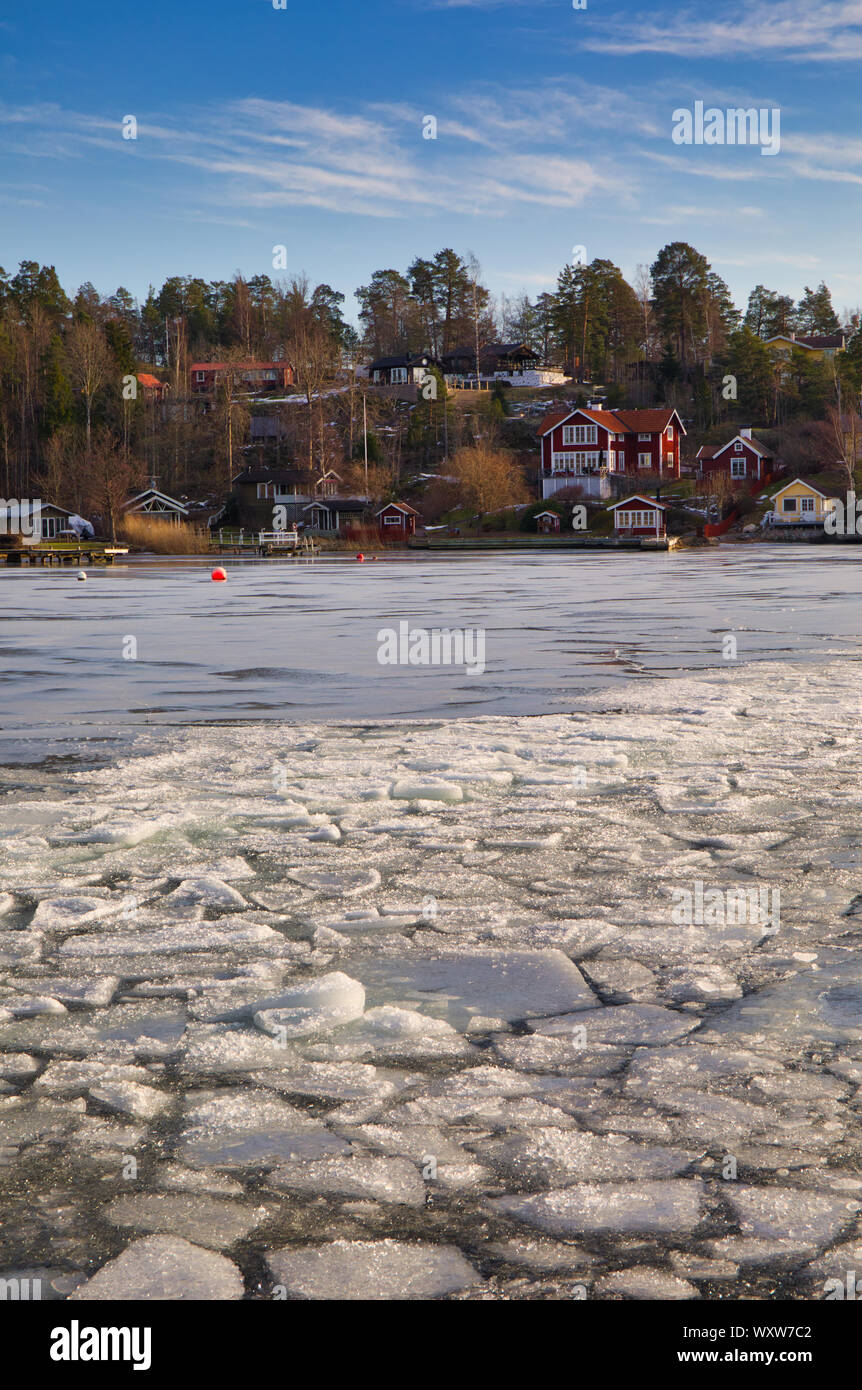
pixel 248 376
pixel 744 459
pixel 639 516
pixel 581 447
pixel 397 521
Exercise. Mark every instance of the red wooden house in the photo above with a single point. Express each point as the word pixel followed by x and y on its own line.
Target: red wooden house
pixel 397 521
pixel 151 388
pixel 247 376
pixel 580 446
pixel 744 459
pixel 639 516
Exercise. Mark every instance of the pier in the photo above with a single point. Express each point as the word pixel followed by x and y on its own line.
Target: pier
pixel 62 553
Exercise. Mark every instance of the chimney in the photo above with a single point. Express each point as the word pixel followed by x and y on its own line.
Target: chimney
pixel 746 433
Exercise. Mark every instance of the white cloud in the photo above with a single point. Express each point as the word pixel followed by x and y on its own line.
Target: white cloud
pixel 791 29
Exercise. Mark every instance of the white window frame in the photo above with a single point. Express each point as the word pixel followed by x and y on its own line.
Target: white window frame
pixel 670 431
pixel 392 521
pixel 738 446
pixel 645 460
pixel 563 463
pixel 788 504
pixel 580 434
pixel 398 375
pixel 645 438
pixel 737 467
pixel 808 504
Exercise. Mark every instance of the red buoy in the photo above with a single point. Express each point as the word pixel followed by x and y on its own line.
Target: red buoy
pixel 360 557
pixel 219 574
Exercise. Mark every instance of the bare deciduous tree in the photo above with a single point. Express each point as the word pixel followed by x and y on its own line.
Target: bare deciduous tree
pixel 487 479
pixel 90 362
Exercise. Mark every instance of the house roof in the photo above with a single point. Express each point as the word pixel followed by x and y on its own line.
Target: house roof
pixel 555 515
pixel 619 421
pixel 254 474
pixel 401 359
pixel 398 506
pixel 147 379
pixel 804 483
pixel 235 366
pixel 810 340
pixel 707 452
pixel 651 502
pixel 338 504
pixel 156 495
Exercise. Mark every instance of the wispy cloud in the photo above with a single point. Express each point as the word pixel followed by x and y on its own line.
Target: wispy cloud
pixel 796 30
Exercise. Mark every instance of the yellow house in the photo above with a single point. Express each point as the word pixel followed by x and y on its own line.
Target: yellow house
pixel 815 345
pixel 800 504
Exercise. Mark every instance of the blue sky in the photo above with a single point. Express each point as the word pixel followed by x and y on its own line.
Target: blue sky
pixel 303 127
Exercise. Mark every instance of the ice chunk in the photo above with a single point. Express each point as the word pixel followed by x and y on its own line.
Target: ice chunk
pixel 391 1032
pixel 623 1023
pixel 644 1282
pixel 18 1067
pixel 128 1098
pixel 379 1179
pixel 204 1220
pixel 33 1006
pixel 556 1157
pixel 382 1269
pixel 458 984
pixel 406 790
pixel 336 883
pixel 670 1208
pixel 314 1007
pixel 208 891
pixel 704 984
pixel 785 1213
pixel 241 1129
pixel 199 936
pixel 94 993
pixel 69 913
pixel 163 1268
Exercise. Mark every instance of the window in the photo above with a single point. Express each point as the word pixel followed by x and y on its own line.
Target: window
pixel 398 374
pixel 737 468
pixel 377 376
pixel 580 462
pixel 579 434
pixel 50 527
pixel 644 460
pixel 646 437
pixel 392 521
pixel 806 504
pixel 737 446
pixel 788 504
pixel 670 431
pixel 200 376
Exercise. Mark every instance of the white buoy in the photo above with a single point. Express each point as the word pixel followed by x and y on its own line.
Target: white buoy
pixel 81 574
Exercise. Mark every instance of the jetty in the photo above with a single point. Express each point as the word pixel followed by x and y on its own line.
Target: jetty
pixel 242 542
pixel 542 544
pixel 13 552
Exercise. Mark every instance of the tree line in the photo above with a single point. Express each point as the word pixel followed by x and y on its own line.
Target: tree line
pixel 673 335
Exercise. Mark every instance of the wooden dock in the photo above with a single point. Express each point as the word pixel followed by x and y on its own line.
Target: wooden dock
pixel 244 542
pixel 543 544
pixel 62 553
